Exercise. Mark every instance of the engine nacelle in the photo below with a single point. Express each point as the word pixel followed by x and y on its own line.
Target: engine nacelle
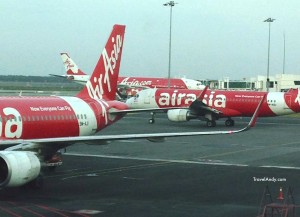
pixel 179 115
pixel 18 168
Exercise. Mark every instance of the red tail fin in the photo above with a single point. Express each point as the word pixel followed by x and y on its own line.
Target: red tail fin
pixel 70 65
pixel 103 81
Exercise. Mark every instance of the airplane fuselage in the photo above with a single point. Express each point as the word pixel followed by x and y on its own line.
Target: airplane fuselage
pixel 175 83
pixel 229 103
pixel 50 117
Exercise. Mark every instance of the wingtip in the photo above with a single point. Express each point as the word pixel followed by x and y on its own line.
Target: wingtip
pixel 201 96
pixel 256 113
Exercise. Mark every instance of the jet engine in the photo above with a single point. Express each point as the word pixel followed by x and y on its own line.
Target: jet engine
pixel 179 115
pixel 18 168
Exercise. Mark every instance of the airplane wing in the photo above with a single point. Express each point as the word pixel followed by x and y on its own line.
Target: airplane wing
pixel 127 111
pixel 60 76
pixel 198 107
pixel 49 145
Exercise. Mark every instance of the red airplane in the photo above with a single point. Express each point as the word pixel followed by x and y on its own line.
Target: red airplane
pixel 75 74
pixel 34 129
pixel 210 105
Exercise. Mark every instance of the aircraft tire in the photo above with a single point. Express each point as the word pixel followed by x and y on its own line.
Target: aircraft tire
pixel 229 123
pixel 211 123
pixel 151 121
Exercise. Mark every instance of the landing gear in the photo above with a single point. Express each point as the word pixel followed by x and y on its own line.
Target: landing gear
pixel 229 123
pixel 152 120
pixel 37 183
pixel 211 123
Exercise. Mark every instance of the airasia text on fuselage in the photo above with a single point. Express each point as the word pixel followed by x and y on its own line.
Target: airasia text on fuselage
pixel 135 82
pixel 185 99
pixel 10 128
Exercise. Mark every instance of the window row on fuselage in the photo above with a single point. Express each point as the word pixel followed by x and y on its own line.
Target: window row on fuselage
pixel 248 100
pixel 43 117
pixel 220 99
pixel 235 99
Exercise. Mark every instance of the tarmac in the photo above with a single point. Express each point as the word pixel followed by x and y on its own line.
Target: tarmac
pixel 221 175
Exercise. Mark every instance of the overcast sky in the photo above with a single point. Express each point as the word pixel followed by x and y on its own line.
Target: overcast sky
pixel 210 38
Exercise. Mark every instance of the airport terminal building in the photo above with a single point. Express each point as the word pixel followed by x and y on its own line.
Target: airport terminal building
pixel 278 83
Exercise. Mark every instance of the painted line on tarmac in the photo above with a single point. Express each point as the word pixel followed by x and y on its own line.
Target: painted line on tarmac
pixel 180 161
pixel 158 159
pixel 282 167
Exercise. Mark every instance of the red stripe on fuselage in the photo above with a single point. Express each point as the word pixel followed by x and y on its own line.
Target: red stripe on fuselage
pixel 36 117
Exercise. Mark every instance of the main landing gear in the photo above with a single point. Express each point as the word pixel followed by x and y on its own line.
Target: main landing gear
pixel 152 120
pixel 229 122
pixel 37 183
pixel 211 123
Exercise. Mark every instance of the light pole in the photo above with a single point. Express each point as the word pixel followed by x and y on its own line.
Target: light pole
pixel 269 20
pixel 283 64
pixel 171 4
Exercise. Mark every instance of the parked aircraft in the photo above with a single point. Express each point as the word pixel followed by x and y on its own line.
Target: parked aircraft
pixel 210 105
pixel 75 74
pixel 33 129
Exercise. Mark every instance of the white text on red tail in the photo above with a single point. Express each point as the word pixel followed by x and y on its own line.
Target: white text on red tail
pixel 110 63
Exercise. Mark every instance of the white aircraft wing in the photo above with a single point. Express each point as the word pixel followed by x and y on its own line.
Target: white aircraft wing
pixel 53 144
pixel 127 111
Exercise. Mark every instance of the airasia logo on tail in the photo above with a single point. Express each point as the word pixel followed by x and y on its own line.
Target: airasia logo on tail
pixel 68 64
pixel 95 86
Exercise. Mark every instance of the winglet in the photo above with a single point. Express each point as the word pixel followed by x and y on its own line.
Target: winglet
pixel 255 115
pixel 201 96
